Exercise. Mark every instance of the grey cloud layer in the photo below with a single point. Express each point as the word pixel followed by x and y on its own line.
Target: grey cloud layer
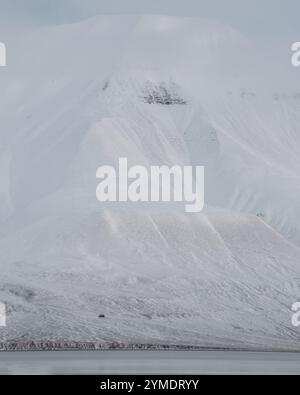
pixel 276 17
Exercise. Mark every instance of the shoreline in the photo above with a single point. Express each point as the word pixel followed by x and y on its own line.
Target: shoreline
pixel 53 346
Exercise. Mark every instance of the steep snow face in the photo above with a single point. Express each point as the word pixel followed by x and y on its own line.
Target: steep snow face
pixel 158 91
pixel 260 141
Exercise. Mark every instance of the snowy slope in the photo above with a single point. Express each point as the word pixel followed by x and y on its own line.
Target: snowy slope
pixel 85 95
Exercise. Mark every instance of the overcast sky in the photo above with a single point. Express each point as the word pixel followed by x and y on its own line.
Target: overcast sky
pixel 254 17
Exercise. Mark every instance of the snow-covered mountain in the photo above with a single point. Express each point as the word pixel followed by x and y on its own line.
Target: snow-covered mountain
pixel 157 90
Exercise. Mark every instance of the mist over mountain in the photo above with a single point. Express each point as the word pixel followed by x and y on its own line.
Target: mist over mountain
pixel 257 18
pixel 157 90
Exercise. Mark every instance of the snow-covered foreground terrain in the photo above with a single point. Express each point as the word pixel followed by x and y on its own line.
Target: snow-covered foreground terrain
pixel 158 91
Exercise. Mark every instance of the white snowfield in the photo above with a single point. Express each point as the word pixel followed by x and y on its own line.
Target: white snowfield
pixel 159 91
